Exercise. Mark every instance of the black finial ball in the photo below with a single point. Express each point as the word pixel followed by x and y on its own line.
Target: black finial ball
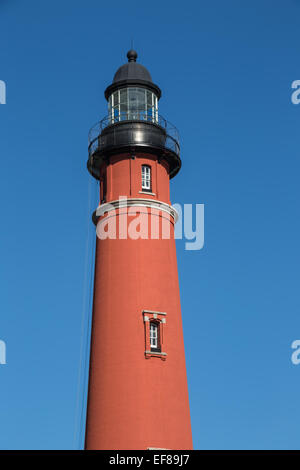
pixel 132 55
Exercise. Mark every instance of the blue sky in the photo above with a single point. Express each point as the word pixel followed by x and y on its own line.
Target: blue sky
pixel 226 70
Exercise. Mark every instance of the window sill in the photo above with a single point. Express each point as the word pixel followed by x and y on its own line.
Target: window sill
pixel 147 192
pixel 161 355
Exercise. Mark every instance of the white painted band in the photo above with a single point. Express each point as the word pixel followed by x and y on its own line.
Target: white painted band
pixel 137 202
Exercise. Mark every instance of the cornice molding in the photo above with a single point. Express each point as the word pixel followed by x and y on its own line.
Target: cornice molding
pixel 136 202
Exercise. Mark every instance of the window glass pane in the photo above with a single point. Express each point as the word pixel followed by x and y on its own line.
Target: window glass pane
pixel 150 110
pixel 123 96
pixel 132 104
pixel 123 110
pixel 153 334
pixel 116 97
pixel 149 98
pixel 141 94
pixel 141 97
pixel 110 108
pixel 116 113
pixel 132 99
pixel 146 178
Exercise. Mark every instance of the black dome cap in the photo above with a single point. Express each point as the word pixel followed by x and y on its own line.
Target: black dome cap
pixel 132 74
pixel 132 70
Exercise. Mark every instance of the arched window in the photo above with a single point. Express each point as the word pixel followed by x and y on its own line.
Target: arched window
pixel 155 336
pixel 146 178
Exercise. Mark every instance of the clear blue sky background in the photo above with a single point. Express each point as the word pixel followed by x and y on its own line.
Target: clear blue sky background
pixel 226 70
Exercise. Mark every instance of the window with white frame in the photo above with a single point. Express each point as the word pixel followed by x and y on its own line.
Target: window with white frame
pixel 146 177
pixel 154 336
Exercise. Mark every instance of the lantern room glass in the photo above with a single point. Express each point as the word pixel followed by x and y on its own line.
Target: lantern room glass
pixel 133 103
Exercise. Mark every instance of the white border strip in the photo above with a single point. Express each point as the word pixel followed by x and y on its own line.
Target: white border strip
pixel 137 202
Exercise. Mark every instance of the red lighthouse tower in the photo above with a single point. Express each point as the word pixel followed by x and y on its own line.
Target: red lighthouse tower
pixel 138 396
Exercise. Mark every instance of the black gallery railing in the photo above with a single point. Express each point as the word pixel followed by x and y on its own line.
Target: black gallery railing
pixel 161 133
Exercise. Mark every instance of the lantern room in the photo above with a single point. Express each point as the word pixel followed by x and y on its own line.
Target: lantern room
pixel 133 123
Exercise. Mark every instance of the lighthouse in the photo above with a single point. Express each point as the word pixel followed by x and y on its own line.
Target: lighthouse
pixel 137 392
